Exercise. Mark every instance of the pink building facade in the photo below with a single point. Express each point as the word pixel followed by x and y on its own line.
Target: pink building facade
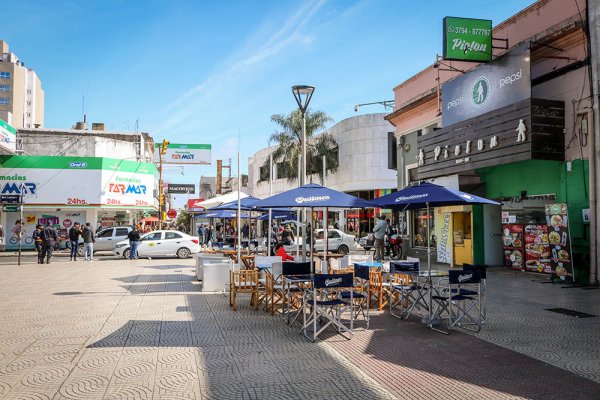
pixel 551 166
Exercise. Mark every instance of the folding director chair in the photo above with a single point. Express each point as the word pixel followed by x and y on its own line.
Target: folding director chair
pixel 326 305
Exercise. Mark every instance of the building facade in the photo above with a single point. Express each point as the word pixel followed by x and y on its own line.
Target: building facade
pixel 68 176
pixel 363 167
pixel 21 93
pixel 515 129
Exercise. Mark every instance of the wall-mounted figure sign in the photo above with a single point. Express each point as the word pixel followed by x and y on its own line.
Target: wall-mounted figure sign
pixel 521 130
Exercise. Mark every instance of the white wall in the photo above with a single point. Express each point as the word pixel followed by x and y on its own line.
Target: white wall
pixel 362 142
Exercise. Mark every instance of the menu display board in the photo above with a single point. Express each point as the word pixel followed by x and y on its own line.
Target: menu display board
pixel 512 238
pixel 537 249
pixel 559 240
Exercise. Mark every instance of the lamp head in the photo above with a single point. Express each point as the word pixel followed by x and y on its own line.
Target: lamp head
pixel 303 94
pixel 356 107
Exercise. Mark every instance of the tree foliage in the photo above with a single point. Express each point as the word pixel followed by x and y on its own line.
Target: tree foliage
pixel 288 138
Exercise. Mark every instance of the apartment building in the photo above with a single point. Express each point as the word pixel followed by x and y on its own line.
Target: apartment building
pixel 21 93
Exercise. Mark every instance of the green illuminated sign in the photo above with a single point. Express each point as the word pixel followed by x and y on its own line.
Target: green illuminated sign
pixel 467 39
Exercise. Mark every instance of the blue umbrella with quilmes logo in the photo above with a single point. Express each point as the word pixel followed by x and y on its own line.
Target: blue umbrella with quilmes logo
pixel 313 196
pixel 427 195
pixel 278 215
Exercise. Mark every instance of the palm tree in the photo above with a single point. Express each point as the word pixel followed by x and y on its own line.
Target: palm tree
pixel 289 144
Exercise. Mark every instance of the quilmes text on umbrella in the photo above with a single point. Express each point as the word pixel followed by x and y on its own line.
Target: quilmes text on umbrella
pixel 311 199
pixel 411 197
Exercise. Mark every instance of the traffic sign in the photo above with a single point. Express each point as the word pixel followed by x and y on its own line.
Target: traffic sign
pixel 10 198
pixel 172 213
pixel 11 208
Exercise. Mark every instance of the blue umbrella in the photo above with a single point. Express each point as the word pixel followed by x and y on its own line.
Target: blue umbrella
pixel 246 204
pixel 221 214
pixel 427 195
pixel 313 195
pixel 278 215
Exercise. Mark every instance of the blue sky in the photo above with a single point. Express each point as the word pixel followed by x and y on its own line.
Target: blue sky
pixel 214 72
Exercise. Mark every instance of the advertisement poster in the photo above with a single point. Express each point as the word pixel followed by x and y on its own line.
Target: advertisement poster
pixel 8 137
pixel 179 153
pixel 537 249
pixel 83 181
pixel 559 239
pixel 513 241
pixel 443 229
pixel 467 39
pixel 61 220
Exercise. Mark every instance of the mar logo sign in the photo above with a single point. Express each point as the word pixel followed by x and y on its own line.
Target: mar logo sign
pixel 15 188
pixel 480 91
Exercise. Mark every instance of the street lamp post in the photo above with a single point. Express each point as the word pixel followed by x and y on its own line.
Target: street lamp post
pixel 303 94
pixel 162 149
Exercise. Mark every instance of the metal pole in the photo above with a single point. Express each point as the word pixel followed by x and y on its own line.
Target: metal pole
pixel 429 265
pixel 21 226
pixel 270 231
pixel 239 216
pixel 593 18
pixel 160 188
pixel 302 183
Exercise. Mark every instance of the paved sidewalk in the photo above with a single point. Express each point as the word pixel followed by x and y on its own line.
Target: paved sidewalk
pixel 120 329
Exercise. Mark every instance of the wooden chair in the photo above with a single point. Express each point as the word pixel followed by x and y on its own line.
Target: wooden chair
pixel 378 291
pixel 244 281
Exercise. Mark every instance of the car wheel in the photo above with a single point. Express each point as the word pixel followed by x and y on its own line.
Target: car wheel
pixel 80 250
pixel 183 252
pixel 343 249
pixel 126 253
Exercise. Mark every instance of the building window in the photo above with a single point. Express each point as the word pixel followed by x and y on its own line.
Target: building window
pixel 28 91
pixel 29 103
pixel 4 88
pixel 420 221
pixel 4 75
pixel 28 114
pixel 4 100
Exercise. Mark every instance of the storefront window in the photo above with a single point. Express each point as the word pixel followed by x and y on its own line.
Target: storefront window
pixel 420 221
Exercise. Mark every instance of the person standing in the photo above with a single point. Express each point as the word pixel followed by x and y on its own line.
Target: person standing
pixel 74 234
pixel 245 230
pixel 379 232
pixel 287 236
pixel 134 241
pixel 201 234
pixel 38 241
pixel 50 236
pixel 88 241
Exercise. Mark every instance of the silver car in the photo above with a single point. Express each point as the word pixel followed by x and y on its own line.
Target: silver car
pixel 106 239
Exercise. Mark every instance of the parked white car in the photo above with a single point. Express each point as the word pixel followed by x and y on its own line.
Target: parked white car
pixel 337 242
pixel 161 244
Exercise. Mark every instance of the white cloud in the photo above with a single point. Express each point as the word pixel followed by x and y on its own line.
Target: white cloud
pixel 220 84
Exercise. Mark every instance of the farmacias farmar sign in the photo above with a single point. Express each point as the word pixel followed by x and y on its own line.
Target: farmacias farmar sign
pixel 180 153
pixel 499 83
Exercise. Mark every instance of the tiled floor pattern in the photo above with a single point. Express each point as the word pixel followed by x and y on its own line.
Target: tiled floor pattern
pixel 142 330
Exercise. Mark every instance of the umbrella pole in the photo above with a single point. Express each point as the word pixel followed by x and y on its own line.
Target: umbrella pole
pixel 270 233
pixel 326 237
pixel 429 266
pixel 239 217
pixel 312 242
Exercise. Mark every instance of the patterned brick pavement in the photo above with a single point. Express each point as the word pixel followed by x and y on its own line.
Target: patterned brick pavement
pixel 142 330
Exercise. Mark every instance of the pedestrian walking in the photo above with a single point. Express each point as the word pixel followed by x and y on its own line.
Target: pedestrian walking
pixel 209 236
pixel 74 234
pixel 379 232
pixel 134 241
pixel 50 237
pixel 88 241
pixel 38 241
pixel 245 230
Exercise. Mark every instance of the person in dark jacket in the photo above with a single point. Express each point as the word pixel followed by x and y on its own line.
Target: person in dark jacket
pixel 50 237
pixel 88 241
pixel 134 241
pixel 38 241
pixel 74 234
